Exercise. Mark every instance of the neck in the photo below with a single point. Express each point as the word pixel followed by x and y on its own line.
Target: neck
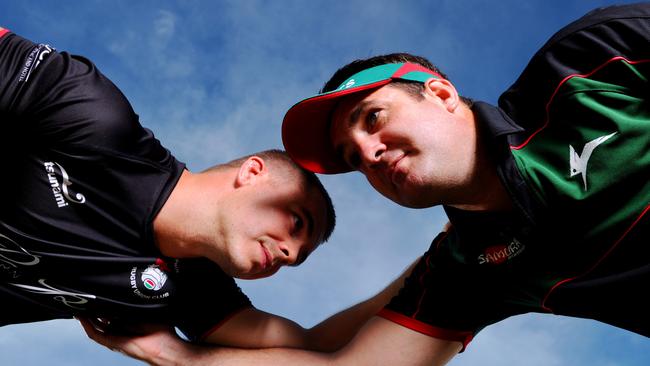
pixel 177 228
pixel 488 194
pixel 484 191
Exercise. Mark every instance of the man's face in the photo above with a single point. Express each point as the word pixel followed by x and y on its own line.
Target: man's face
pixel 417 152
pixel 269 224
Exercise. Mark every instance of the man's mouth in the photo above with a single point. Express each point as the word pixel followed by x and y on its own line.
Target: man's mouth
pixel 396 175
pixel 268 258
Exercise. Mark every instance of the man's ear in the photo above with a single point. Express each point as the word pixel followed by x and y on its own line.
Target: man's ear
pixel 250 171
pixel 443 90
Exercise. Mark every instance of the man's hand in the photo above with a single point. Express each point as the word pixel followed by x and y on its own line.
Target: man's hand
pixel 157 345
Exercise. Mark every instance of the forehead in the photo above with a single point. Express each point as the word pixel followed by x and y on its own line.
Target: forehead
pixel 347 104
pixel 345 115
pixel 380 97
pixel 342 115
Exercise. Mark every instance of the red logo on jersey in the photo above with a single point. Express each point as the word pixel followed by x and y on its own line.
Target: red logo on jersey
pixel 500 253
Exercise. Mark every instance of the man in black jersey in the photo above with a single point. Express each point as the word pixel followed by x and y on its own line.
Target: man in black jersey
pixel 103 222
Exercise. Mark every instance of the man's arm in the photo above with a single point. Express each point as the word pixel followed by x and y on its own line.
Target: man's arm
pixel 252 328
pixel 380 342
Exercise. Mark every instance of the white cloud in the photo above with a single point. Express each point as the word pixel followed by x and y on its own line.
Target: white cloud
pixel 59 342
pixel 164 26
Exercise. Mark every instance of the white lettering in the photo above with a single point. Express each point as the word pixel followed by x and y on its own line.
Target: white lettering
pixel 60 190
pixel 132 278
pixel 492 255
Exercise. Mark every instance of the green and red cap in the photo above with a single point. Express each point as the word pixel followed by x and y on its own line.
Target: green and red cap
pixel 306 125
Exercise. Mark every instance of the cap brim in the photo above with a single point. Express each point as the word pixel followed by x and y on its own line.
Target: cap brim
pixel 306 131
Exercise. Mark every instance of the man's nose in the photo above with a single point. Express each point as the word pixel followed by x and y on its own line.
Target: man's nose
pixel 371 151
pixel 288 254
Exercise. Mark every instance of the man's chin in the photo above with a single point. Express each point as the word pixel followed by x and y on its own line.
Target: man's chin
pixel 255 275
pixel 412 201
pixel 403 196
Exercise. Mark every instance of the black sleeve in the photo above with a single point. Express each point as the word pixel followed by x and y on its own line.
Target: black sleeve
pixel 61 101
pixel 19 58
pixel 446 298
pixel 443 294
pixel 621 31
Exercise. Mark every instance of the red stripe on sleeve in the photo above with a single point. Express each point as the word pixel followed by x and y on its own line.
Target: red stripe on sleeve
pixel 463 337
pixel 595 265
pixel 3 32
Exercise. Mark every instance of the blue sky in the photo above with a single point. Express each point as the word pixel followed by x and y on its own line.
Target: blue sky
pixel 213 79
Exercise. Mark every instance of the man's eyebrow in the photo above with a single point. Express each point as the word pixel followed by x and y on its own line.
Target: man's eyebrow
pixel 356 111
pixel 339 150
pixel 310 231
pixel 310 221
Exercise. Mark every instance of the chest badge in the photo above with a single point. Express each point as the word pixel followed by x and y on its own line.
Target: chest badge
pixel 578 162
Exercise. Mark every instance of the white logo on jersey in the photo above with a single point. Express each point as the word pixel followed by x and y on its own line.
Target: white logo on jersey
pixel 60 190
pixel 33 60
pixel 153 278
pixel 13 256
pixel 498 254
pixel 578 163
pixel 70 299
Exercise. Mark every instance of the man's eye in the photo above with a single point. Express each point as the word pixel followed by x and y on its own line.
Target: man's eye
pixel 297 223
pixel 371 119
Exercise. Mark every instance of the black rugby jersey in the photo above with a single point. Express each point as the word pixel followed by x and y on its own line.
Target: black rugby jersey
pixel 82 181
pixel 572 144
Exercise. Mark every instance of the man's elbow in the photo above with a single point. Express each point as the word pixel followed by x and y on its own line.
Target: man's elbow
pixel 317 342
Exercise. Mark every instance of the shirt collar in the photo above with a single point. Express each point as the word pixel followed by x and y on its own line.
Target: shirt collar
pixel 495 120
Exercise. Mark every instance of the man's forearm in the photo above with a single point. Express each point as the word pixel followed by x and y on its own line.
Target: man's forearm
pixel 239 357
pixel 163 348
pixel 379 342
